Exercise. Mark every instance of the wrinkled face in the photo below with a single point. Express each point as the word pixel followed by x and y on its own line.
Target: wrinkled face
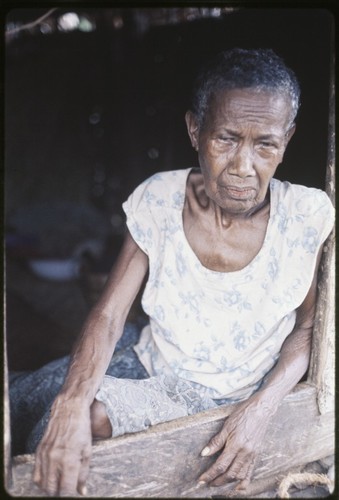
pixel 240 145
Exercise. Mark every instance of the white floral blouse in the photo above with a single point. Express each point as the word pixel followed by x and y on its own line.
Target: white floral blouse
pixel 223 331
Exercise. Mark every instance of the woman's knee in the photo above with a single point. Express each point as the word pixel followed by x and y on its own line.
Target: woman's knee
pixel 100 425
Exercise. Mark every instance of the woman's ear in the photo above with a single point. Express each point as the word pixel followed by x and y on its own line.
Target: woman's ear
pixel 192 129
pixel 287 139
pixel 289 134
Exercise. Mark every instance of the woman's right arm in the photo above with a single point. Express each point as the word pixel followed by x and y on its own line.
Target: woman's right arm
pixel 63 455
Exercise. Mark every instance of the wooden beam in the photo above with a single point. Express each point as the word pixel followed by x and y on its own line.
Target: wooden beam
pixel 7 430
pixel 322 366
pixel 165 461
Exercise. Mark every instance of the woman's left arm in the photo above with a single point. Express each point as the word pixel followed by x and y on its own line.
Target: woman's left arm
pixel 242 434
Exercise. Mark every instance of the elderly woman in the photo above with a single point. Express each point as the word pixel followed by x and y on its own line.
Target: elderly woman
pixel 231 256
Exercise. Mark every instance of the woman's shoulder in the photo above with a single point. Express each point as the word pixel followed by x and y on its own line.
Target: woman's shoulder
pixel 300 199
pixel 162 189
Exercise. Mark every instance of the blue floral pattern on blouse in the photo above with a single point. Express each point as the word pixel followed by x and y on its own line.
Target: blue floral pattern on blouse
pixel 223 331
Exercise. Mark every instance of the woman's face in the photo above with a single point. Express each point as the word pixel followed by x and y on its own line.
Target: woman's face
pixel 240 145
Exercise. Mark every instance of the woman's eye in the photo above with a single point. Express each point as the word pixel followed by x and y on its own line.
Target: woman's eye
pixel 266 144
pixel 227 140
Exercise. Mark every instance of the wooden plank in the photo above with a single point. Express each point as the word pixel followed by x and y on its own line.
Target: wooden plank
pixel 7 431
pixel 165 460
pixel 322 366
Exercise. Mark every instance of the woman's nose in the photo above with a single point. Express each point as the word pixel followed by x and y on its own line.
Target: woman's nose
pixel 242 164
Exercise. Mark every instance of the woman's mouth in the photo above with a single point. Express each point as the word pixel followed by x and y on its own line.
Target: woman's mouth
pixel 239 193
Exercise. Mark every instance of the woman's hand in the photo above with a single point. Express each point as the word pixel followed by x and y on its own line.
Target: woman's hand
pixel 240 440
pixel 63 455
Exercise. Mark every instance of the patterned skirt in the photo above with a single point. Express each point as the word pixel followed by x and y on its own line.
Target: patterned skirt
pixel 132 399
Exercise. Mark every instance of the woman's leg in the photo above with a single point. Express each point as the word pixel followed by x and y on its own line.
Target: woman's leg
pixel 124 365
pixel 100 425
pixel 134 405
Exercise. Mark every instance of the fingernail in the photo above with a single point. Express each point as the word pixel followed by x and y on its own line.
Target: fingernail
pixel 201 483
pixel 205 451
pixel 83 491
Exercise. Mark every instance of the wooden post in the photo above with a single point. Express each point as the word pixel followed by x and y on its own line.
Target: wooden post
pixel 7 431
pixel 322 369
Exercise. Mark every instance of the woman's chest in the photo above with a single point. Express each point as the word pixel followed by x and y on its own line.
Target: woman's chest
pixel 224 249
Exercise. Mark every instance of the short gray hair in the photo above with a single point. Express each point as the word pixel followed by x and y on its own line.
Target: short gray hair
pixel 259 69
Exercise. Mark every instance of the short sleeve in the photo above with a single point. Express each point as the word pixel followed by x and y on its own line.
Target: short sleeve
pixel 305 215
pixel 143 216
pixel 321 213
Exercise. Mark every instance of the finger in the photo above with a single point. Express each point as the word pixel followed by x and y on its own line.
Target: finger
pixel 243 485
pixel 69 480
pixel 216 443
pixel 46 475
pixel 37 470
pixel 218 468
pixel 240 470
pixel 83 474
pixel 50 483
pixel 50 476
pixel 237 470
